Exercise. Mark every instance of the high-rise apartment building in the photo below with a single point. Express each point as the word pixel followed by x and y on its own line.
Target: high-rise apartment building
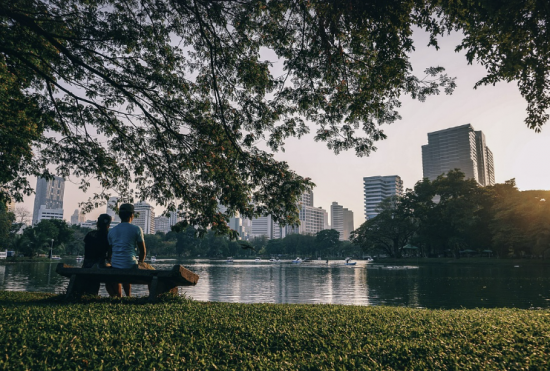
pixel 459 147
pixel 266 226
pixel 111 205
pixel 341 220
pixel 312 219
pixel 49 199
pixel 377 188
pixel 173 218
pixel 145 217
pixel 162 224
pixel 348 224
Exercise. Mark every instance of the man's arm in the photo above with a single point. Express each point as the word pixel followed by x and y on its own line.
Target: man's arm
pixel 142 251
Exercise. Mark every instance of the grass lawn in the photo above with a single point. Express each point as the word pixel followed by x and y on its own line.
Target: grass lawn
pixel 42 332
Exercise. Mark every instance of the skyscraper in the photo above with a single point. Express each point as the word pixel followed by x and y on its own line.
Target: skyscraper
pixel 48 202
pixel 312 219
pixel 459 147
pixel 111 205
pixel 266 226
pixel 377 188
pixel 341 220
pixel 162 224
pixel 348 223
pixel 146 217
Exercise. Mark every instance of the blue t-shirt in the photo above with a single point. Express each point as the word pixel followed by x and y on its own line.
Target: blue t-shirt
pixel 123 240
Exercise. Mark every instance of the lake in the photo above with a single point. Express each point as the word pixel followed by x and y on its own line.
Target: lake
pixel 246 281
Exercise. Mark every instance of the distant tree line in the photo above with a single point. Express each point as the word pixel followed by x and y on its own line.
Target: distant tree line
pixel 452 216
pixel 69 240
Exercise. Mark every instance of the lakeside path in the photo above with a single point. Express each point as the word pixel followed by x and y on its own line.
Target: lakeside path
pixel 41 331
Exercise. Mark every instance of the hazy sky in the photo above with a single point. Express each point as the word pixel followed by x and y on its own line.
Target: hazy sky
pixel 498 111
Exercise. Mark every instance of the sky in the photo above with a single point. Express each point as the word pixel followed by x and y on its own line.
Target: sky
pixel 499 111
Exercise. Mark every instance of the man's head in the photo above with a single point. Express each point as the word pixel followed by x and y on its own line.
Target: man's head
pixel 126 212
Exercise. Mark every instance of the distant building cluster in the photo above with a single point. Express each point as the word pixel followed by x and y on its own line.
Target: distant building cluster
pixel 459 147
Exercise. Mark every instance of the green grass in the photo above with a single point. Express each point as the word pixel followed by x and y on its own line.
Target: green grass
pixel 42 332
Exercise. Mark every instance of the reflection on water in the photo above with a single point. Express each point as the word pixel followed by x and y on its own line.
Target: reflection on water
pixel 432 286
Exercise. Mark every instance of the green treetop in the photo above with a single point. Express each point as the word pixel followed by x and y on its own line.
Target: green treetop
pixel 167 100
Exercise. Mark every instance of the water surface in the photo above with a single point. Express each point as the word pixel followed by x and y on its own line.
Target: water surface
pixel 247 281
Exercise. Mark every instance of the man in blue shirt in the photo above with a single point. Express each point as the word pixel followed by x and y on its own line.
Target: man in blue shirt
pixel 124 239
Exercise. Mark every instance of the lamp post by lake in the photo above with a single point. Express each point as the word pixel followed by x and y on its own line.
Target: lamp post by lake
pixel 51 249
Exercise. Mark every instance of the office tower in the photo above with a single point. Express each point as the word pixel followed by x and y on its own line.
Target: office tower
pixel 341 220
pixel 162 224
pixel 347 224
pixel 312 219
pixel 459 147
pixel 145 217
pixel 265 226
pixel 377 188
pixel 49 194
pixel 111 205
pixel 173 218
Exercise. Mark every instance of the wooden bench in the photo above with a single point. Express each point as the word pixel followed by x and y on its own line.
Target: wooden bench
pixel 85 280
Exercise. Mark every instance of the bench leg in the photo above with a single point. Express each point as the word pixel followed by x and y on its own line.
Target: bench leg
pixel 70 288
pixel 158 287
pixel 78 287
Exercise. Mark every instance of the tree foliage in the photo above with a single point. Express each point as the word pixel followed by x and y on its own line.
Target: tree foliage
pixel 451 214
pixel 168 100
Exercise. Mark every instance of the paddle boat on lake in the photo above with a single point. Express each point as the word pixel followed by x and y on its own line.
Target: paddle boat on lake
pixel 348 262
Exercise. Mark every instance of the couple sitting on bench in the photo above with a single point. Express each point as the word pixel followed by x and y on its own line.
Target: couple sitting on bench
pixel 118 246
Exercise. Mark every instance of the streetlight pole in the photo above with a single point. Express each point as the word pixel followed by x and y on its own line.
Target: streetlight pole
pixel 51 249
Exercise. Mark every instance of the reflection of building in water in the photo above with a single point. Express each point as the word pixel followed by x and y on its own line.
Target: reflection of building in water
pixel 2 274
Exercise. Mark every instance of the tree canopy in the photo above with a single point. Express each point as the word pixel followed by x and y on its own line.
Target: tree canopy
pixel 452 215
pixel 169 100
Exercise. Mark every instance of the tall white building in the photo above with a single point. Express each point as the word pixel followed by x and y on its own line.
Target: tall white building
pixel 265 226
pixel 459 147
pixel 49 193
pixel 111 205
pixel 337 218
pixel 312 219
pixel 145 218
pixel 377 188
pixel 173 218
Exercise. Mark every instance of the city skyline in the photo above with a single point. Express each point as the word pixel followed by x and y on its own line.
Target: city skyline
pixel 498 111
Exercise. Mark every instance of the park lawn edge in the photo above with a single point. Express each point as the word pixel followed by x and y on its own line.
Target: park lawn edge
pixel 43 331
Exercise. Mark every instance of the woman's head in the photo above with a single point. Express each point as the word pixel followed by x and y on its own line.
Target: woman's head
pixel 103 222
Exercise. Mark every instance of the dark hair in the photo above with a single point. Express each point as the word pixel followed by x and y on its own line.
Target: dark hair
pixel 125 215
pixel 103 222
